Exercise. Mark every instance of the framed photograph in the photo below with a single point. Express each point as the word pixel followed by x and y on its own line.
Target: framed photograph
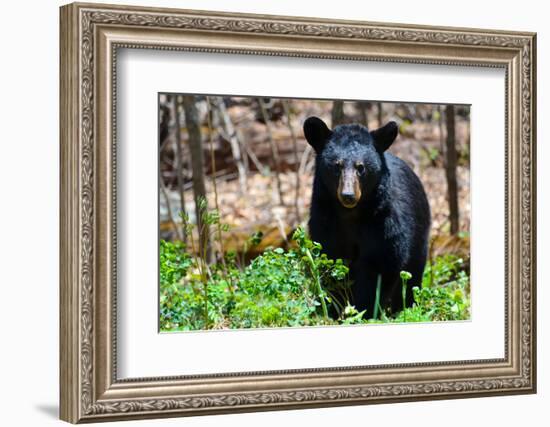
pixel 268 212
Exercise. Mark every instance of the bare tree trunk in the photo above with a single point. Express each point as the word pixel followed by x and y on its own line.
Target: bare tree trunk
pixel 337 113
pixel 304 160
pixel 164 132
pixel 197 165
pixel 274 150
pixel 231 134
pixel 296 161
pixel 441 133
pixel 243 150
pixel 363 107
pixel 450 169
pixel 380 113
pixel 179 160
pixel 169 207
pixel 164 123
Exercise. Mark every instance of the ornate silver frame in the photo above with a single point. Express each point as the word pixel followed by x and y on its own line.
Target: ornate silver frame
pixel 90 36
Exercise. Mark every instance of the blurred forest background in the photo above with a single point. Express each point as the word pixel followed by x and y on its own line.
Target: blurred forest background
pixel 246 160
pixel 255 152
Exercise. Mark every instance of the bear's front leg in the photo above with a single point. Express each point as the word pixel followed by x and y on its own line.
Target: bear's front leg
pixel 364 287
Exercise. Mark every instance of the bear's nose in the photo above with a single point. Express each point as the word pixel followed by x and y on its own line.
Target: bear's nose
pixel 348 198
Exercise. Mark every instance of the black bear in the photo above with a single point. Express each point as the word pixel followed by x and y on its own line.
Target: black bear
pixel 369 208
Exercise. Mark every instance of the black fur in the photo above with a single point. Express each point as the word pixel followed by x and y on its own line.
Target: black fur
pixel 387 230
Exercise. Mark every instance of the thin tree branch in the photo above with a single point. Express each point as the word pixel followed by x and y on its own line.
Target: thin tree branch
pixel 274 150
pixel 233 141
pixel 169 206
pixel 295 149
pixel 179 161
pixel 215 186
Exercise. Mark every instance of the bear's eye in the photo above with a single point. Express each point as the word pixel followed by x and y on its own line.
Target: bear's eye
pixel 360 167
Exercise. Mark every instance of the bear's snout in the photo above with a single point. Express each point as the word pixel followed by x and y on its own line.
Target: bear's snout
pixel 349 189
pixel 348 198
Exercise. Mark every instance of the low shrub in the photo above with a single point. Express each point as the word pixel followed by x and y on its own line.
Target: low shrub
pixel 295 287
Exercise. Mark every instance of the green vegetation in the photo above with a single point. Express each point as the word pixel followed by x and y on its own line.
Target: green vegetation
pixel 299 286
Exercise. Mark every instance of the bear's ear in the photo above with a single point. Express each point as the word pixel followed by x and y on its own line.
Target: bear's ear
pixel 384 136
pixel 317 133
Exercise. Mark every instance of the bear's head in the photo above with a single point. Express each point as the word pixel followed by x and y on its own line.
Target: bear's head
pixel 350 158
